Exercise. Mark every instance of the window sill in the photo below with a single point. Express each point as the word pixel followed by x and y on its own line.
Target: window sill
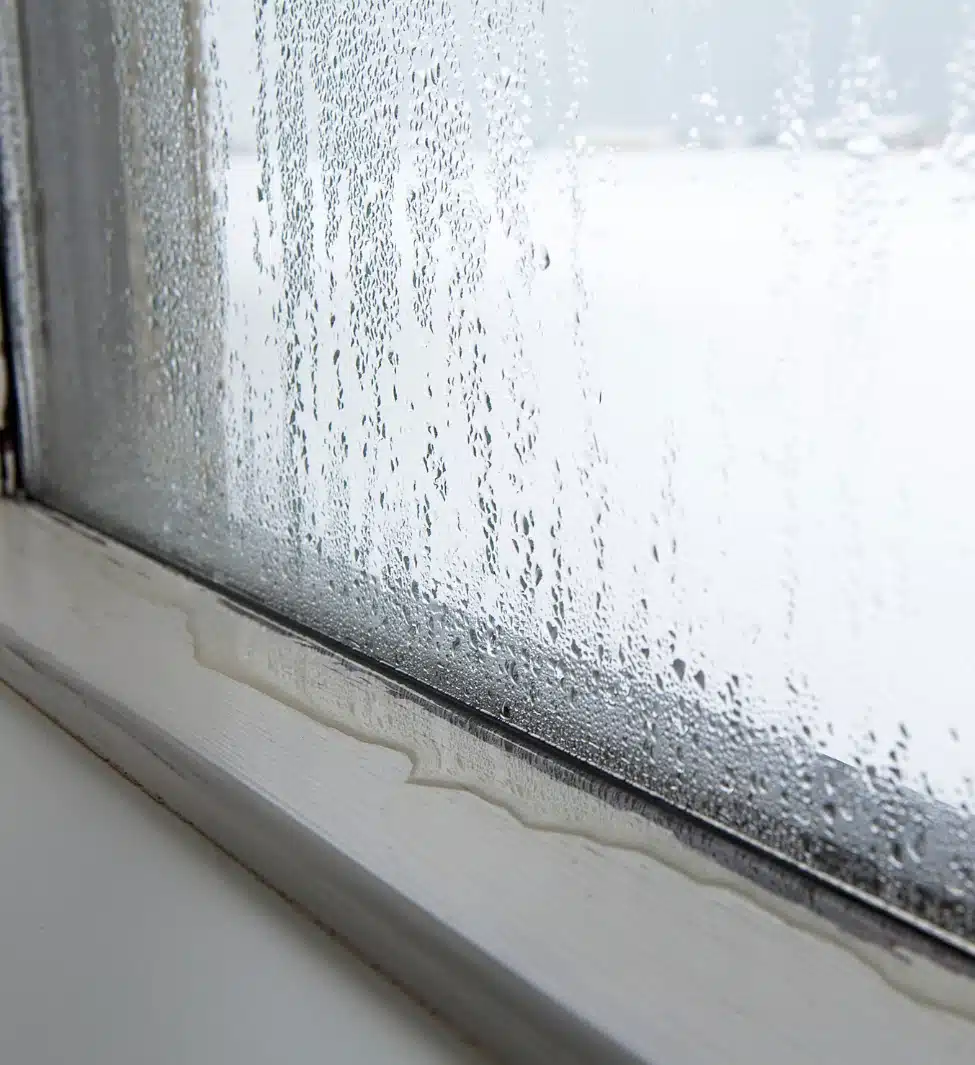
pixel 551 921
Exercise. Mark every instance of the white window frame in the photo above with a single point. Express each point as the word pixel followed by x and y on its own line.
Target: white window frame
pixel 550 915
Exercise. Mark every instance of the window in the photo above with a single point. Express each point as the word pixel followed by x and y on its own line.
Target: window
pixel 598 367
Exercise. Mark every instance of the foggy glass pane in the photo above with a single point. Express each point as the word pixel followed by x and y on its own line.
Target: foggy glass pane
pixel 601 366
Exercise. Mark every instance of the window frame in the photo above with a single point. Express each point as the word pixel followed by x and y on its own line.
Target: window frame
pixel 547 988
pixel 19 270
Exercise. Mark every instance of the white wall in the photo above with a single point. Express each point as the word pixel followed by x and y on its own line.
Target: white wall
pixel 126 937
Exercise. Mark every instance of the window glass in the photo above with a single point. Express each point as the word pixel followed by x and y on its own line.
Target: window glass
pixel 601 366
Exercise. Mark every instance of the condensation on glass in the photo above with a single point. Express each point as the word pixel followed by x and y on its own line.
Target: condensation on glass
pixel 602 366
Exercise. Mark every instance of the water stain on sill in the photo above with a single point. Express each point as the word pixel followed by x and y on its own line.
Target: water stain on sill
pixel 358 702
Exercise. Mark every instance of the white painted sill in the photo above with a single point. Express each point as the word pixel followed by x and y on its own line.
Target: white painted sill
pixel 550 920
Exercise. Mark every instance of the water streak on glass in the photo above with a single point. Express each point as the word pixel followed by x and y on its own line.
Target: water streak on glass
pixel 602 366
